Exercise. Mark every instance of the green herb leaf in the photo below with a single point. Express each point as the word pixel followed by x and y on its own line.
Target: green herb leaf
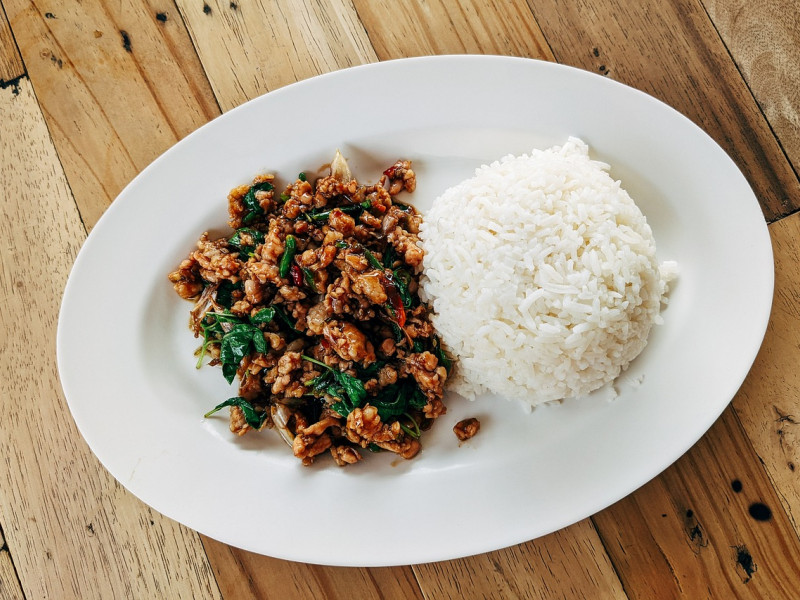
pixel 212 330
pixel 399 336
pixel 308 275
pixel 229 371
pixel 290 247
pixel 237 240
pixel 285 319
pixel 353 210
pixel 238 343
pixel 251 203
pixel 253 418
pixel 265 315
pixel 224 294
pixel 444 360
pixel 398 398
pixel 341 408
pixel 417 399
pixel 372 370
pixel 354 388
pixel 372 260
pixel 350 390
pixel 259 342
pixel 389 256
pixel 414 433
pixel 302 176
pixel 391 402
pixel 402 279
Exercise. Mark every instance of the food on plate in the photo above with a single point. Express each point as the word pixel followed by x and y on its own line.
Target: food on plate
pixel 312 304
pixel 553 284
pixel 466 428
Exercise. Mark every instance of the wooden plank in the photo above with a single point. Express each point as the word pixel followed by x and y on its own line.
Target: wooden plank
pixel 250 48
pixel 9 584
pixel 671 50
pixel 243 574
pixel 768 403
pixel 117 85
pixel 570 563
pixel 452 27
pixel 11 67
pixel 75 532
pixel 763 37
pixel 711 526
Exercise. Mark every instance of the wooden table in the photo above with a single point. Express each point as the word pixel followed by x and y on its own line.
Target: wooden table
pixel 91 92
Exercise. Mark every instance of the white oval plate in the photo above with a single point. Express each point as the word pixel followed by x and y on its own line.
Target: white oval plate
pixel 125 352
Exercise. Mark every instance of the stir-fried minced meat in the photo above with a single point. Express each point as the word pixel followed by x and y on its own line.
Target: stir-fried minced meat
pixel 312 305
pixel 466 428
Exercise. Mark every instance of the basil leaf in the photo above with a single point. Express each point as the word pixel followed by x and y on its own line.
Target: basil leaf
pixel 265 315
pixel 290 247
pixel 391 403
pixel 308 275
pixel 259 342
pixel 350 390
pixel 444 360
pixel 372 260
pixel 389 257
pixel 229 371
pixel 354 388
pixel 235 346
pixel 238 343
pixel 372 370
pixel 253 418
pixel 285 318
pixel 340 408
pixel 320 382
pixel 418 399
pixel 399 336
pixel 251 202
pixel 236 239
pixel 224 295
pixel 401 280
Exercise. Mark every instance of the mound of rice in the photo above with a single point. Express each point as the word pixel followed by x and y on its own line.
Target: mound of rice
pixel 542 276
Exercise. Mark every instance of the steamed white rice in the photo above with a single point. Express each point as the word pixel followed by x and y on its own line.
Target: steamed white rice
pixel 542 275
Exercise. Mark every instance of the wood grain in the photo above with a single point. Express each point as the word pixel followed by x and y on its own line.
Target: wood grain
pixel 11 71
pixel 250 48
pixel 11 66
pixel 405 28
pixel 763 37
pixel 541 569
pixel 769 403
pixel 243 574
pixel 672 51
pixel 9 583
pixel 691 534
pixel 75 532
pixel 117 85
